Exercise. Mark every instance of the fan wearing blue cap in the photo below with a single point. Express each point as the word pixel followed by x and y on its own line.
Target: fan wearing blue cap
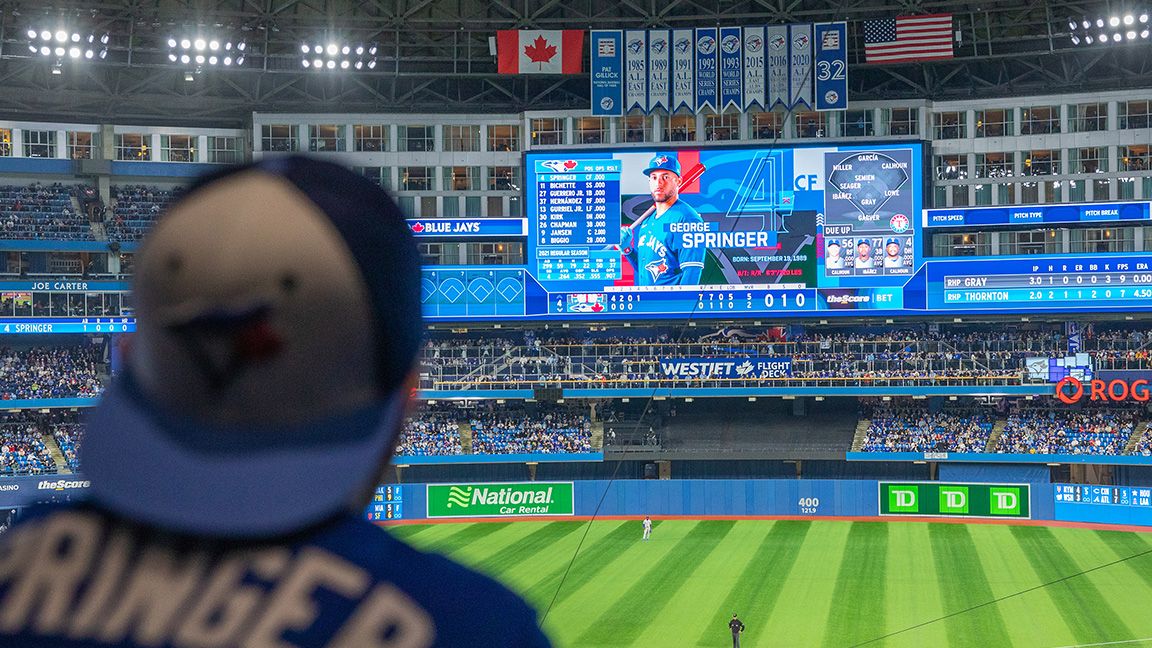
pixel 892 254
pixel 278 325
pixel 659 255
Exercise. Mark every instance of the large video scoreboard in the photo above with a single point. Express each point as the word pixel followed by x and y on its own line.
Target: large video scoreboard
pixel 812 231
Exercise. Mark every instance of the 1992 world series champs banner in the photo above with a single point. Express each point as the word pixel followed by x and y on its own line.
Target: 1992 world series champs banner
pixel 710 68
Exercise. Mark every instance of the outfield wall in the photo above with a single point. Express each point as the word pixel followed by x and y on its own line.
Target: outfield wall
pixel 725 497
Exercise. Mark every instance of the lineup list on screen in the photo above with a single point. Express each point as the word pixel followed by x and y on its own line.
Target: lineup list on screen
pixel 578 220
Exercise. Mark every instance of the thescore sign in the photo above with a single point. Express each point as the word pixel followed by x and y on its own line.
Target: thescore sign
pixel 955 500
pixel 733 368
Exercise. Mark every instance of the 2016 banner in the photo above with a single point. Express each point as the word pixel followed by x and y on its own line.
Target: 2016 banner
pixel 720 69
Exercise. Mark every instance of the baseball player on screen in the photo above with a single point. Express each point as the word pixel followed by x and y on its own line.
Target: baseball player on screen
pixel 658 254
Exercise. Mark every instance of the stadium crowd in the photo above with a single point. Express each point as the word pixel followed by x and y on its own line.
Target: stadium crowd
pixel 68 432
pixel 40 211
pixel 503 430
pixel 50 372
pixel 431 433
pixel 22 447
pixel 555 432
pixel 135 209
pixel 906 428
pixel 1042 430
pixel 836 357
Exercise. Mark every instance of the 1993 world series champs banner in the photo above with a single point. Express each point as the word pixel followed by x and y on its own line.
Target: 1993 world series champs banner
pixel 710 68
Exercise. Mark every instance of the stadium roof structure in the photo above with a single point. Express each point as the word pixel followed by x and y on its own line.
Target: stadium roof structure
pixel 433 55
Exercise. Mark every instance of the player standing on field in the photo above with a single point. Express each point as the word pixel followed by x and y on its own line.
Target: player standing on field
pixel 658 254
pixel 736 626
pixel 647 528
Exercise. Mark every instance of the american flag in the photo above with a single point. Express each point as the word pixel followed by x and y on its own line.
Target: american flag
pixel 908 38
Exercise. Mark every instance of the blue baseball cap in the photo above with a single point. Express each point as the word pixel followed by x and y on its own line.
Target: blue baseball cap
pixel 892 241
pixel 278 323
pixel 832 242
pixel 663 161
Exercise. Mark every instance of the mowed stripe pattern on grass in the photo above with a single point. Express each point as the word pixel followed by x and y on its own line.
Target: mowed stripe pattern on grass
pixel 801 583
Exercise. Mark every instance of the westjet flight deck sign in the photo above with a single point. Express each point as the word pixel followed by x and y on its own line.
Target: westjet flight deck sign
pixel 757 368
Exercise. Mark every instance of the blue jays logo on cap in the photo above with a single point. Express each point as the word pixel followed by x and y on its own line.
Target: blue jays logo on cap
pixel 892 241
pixel 835 242
pixel 683 44
pixel 662 161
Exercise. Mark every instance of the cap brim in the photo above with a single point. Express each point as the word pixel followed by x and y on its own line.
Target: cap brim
pixel 140 469
pixel 649 171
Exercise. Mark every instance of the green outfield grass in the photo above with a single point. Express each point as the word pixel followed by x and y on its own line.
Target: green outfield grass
pixel 799 583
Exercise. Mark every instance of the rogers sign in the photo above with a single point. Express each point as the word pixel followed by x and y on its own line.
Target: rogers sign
pixel 1071 390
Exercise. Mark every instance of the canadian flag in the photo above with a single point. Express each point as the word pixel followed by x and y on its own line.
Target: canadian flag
pixel 535 51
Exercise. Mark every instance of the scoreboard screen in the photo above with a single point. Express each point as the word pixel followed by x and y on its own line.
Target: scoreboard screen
pixel 723 231
pixel 800 231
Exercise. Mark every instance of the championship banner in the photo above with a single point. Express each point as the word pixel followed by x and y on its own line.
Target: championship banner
pixel 683 80
pixel 832 66
pixel 659 69
pixel 800 64
pixel 607 73
pixel 776 37
pixel 706 72
pixel 756 368
pixel 636 63
pixel 731 70
pixel 754 71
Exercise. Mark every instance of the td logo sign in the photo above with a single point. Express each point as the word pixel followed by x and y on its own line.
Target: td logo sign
pixel 960 500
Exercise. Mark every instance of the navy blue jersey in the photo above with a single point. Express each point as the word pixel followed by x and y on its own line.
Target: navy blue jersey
pixel 659 255
pixel 75 577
